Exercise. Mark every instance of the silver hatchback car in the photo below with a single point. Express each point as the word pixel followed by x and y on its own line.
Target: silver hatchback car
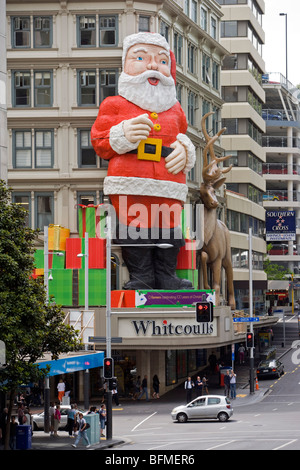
pixel 204 407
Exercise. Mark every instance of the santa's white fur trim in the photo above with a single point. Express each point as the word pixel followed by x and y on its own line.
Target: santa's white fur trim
pixel 143 38
pixel 132 185
pixel 118 141
pixel 190 150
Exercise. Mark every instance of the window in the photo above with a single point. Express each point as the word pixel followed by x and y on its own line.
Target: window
pixel 144 23
pixel 213 28
pixel 43 209
pixel 87 88
pixel 43 149
pixel 108 31
pixel 87 156
pixel 191 58
pixel 108 83
pixel 42 88
pixel 203 18
pixel 213 401
pixel 191 108
pixel 22 149
pixel 21 31
pixel 23 199
pixel 42 31
pixel 205 68
pixel 164 30
pixel 86 31
pixel 215 75
pixel 178 42
pixel 229 29
pixel 21 89
pixel 194 11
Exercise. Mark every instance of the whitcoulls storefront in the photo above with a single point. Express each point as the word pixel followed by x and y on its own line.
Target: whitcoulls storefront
pixel 165 340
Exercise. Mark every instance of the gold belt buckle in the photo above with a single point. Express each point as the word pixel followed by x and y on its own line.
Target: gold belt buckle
pixel 155 144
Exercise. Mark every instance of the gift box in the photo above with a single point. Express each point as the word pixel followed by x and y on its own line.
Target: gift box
pixel 89 220
pixel 60 287
pixel 57 236
pixel 123 298
pixel 56 259
pixel 74 248
pixel 190 275
pixel 97 253
pixel 186 258
pixel 97 287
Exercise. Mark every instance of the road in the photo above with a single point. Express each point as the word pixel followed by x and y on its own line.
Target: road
pixel 270 424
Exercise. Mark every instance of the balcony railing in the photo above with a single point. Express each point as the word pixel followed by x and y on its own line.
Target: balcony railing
pixel 280 141
pixel 283 249
pixel 280 115
pixel 280 169
pixel 281 195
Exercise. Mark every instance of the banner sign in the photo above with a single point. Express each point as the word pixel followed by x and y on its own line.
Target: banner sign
pixel 176 298
pixel 280 225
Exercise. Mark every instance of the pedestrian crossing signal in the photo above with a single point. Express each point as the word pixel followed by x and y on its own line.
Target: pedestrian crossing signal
pixel 204 312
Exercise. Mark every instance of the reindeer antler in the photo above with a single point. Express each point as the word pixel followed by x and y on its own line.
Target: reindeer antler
pixel 215 175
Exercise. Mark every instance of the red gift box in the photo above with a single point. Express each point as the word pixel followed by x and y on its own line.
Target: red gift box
pixel 73 248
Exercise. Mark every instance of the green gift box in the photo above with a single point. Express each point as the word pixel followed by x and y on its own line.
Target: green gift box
pixel 97 287
pixel 89 221
pixel 190 275
pixel 61 286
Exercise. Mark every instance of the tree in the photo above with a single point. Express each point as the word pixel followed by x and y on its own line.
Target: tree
pixel 275 271
pixel 29 327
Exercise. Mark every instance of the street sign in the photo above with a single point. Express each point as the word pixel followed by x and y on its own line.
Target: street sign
pixel 245 319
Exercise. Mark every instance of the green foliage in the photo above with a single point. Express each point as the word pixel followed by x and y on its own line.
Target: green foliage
pixel 28 326
pixel 275 271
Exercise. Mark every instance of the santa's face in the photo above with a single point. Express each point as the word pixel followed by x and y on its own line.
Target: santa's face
pixel 146 80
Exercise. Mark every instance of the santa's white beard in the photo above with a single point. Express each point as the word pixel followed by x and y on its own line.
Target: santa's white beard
pixel 153 98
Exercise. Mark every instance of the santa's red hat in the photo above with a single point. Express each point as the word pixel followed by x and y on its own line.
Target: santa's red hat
pixel 149 38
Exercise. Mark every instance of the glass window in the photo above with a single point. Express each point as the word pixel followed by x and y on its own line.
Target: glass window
pixel 24 201
pixel 42 31
pixel 21 31
pixel 229 29
pixel 43 88
pixel 21 89
pixel 191 58
pixel 203 18
pixel 43 149
pixel 144 23
pixel 164 30
pixel 22 149
pixel 194 11
pixel 213 28
pixel 86 31
pixel 178 42
pixel 191 108
pixel 205 68
pixel 87 88
pixel 44 209
pixel 108 30
pixel 87 156
pixel 108 83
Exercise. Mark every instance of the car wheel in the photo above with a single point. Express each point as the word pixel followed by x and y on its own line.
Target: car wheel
pixel 223 416
pixel 35 428
pixel 182 418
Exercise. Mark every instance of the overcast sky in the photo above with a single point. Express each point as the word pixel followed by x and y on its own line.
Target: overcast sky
pixel 274 48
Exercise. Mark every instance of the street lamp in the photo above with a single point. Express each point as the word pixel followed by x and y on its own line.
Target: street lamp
pixel 46 284
pixel 108 309
pixel 286 53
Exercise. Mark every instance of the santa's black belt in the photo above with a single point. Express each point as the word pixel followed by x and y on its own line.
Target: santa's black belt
pixel 151 149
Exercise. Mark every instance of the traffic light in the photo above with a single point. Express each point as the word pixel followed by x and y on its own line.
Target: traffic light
pixel 250 340
pixel 108 368
pixel 204 312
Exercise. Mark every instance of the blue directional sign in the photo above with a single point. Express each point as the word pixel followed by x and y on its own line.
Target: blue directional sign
pixel 245 319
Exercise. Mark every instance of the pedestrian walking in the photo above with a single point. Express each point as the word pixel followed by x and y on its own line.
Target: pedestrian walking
pixel 57 418
pixel 144 388
pixel 82 424
pixel 241 352
pixel 155 384
pixel 189 385
pixel 137 387
pixel 102 417
pixel 204 382
pixel 227 383
pixel 71 420
pixel 233 385
pixel 198 386
pixel 13 433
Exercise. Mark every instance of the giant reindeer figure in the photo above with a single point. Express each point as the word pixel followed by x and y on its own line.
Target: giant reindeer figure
pixel 216 251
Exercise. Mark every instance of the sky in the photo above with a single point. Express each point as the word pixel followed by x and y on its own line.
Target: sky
pixel 274 50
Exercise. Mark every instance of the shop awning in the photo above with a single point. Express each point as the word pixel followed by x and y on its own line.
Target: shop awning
pixel 70 364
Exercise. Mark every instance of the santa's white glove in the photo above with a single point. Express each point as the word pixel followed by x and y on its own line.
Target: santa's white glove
pixel 137 128
pixel 176 161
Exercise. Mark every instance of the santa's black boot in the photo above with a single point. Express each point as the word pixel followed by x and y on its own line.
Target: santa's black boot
pixel 139 262
pixel 165 262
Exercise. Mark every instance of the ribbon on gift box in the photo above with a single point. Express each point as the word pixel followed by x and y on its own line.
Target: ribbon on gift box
pixel 89 219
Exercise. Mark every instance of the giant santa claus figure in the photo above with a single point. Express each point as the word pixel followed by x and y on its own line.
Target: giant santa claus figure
pixel 142 134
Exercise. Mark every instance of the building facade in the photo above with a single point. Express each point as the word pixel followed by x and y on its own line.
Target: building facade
pixel 242 34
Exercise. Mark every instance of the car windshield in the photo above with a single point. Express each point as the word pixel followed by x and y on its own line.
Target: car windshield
pixel 267 364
